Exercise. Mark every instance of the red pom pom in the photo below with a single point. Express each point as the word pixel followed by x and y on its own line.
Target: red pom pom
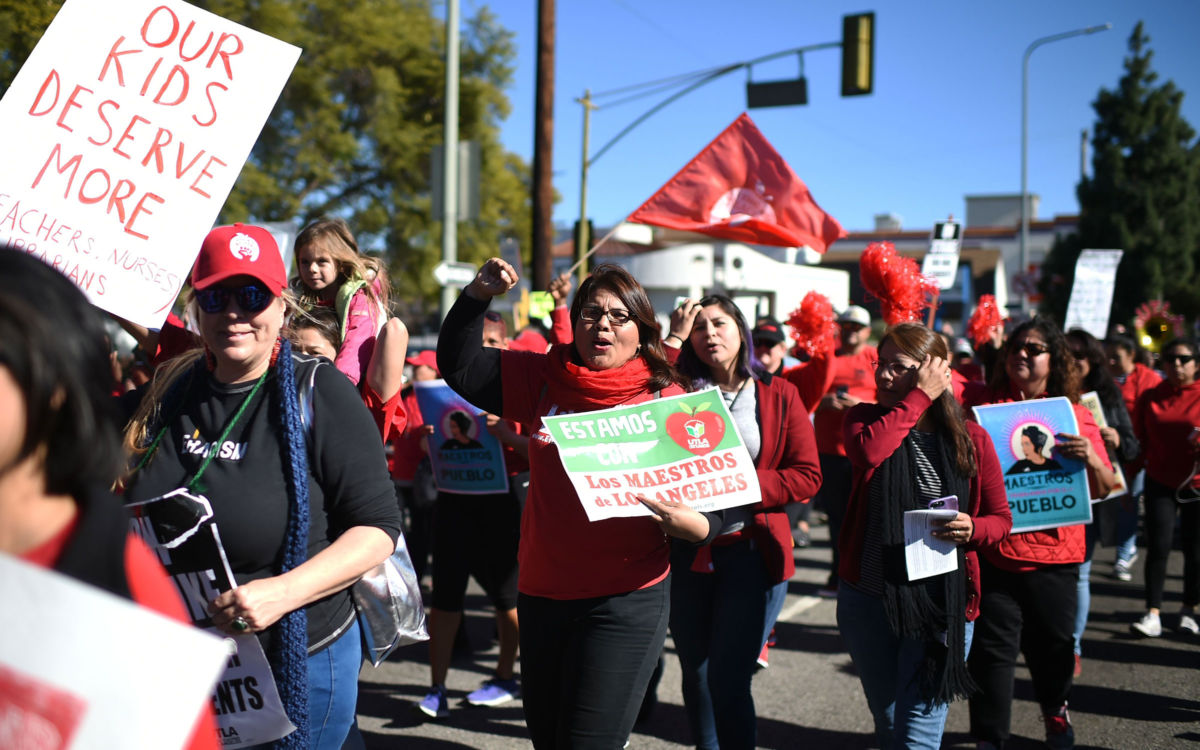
pixel 896 281
pixel 814 325
pixel 984 320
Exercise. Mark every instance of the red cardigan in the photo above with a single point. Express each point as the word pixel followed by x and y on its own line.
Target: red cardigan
pixel 873 433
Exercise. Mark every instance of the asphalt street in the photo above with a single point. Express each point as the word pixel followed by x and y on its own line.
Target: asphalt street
pixel 1134 692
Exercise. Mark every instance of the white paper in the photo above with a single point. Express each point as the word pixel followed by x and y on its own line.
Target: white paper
pixel 925 555
pixel 96 667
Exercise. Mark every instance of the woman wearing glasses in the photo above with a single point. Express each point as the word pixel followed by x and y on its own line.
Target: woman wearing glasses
pixel 909 638
pixel 725 595
pixel 1166 419
pixel 593 597
pixel 302 509
pixel 1030 579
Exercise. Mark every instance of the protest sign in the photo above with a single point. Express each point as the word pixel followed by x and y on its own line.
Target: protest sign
pixel 681 448
pixel 1092 292
pixel 179 527
pixel 82 668
pixel 1091 400
pixel 124 132
pixel 466 458
pixel 1045 488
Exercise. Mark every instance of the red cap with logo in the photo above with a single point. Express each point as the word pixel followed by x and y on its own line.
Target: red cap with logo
pixel 427 358
pixel 240 250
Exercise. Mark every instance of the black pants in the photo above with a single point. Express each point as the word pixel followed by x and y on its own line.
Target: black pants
pixel 585 665
pixel 1160 532
pixel 833 496
pixel 1031 613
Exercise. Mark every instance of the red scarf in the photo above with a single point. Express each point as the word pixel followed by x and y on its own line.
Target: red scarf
pixel 578 388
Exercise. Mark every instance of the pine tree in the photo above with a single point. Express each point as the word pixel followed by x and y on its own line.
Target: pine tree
pixel 1143 196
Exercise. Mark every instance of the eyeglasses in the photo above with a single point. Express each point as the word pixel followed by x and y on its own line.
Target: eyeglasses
pixel 252 298
pixel 1031 349
pixel 894 368
pixel 763 343
pixel 593 314
pixel 1179 359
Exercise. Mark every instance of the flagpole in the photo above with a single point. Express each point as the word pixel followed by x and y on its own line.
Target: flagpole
pixel 596 247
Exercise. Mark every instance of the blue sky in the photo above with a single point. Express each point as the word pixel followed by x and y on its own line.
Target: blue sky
pixel 944 120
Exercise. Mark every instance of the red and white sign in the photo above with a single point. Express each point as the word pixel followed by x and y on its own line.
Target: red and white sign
pixel 124 132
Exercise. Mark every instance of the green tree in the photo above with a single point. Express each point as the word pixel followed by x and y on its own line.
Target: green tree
pixel 354 128
pixel 1143 196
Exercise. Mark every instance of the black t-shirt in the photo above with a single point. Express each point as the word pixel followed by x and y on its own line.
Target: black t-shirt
pixel 246 482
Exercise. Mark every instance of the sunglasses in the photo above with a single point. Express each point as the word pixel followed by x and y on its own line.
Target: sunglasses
pixel 1031 349
pixel 1179 359
pixel 252 298
pixel 593 314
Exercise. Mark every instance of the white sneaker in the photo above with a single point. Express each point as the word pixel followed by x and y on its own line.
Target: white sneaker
pixel 1187 621
pixel 1121 570
pixel 1150 625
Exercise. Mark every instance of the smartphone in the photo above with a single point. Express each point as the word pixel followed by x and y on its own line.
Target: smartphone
pixel 842 390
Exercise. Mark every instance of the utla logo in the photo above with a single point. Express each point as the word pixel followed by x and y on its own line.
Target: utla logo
pixel 696 429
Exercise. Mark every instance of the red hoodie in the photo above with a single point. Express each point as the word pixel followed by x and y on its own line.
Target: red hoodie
pixel 1163 421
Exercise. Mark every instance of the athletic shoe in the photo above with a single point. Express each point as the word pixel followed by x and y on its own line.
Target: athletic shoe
pixel 1150 625
pixel 771 638
pixel 1078 666
pixel 1187 622
pixel 434 704
pixel 1121 570
pixel 762 657
pixel 1059 733
pixel 494 692
pixel 801 538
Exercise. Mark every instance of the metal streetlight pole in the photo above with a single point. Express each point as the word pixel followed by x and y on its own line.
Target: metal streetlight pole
pixel 450 152
pixel 1025 140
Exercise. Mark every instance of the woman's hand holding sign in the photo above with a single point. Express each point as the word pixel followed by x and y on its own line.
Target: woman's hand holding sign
pixel 677 519
pixel 252 607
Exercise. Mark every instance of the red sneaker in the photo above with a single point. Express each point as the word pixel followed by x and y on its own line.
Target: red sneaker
pixel 1078 666
pixel 762 657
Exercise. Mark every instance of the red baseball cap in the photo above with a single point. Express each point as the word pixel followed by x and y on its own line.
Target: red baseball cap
pixel 240 250
pixel 427 358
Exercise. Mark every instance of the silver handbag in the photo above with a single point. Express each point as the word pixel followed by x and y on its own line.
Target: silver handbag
pixel 390 611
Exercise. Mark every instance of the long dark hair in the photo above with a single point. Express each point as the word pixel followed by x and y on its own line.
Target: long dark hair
pixel 917 341
pixel 1098 378
pixel 621 284
pixel 1064 375
pixel 52 342
pixel 689 362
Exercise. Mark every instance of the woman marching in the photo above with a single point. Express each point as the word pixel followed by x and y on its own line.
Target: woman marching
pixel 725 596
pixel 593 597
pixel 1030 579
pixel 909 639
pixel 303 509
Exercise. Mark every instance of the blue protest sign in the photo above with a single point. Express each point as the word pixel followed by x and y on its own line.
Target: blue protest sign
pixel 1045 489
pixel 466 458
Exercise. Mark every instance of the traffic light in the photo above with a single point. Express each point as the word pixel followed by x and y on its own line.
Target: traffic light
pixel 858 54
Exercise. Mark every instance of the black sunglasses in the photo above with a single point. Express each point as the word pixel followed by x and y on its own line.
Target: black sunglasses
pixel 1031 349
pixel 252 298
pixel 1180 359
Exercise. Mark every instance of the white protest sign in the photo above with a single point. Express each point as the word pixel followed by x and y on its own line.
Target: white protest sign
pixel 941 262
pixel 82 668
pixel 1092 293
pixel 124 132
pixel 681 448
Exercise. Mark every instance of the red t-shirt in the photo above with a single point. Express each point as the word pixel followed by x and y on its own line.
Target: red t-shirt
pixel 149 587
pixel 562 554
pixel 855 372
pixel 1163 421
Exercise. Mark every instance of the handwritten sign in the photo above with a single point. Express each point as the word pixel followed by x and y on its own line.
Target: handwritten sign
pixel 1045 488
pixel 1092 293
pixel 124 132
pixel 466 458
pixel 179 527
pixel 682 448
pixel 82 668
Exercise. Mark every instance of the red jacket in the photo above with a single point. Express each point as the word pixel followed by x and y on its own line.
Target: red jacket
pixel 1030 550
pixel 1136 383
pixel 824 375
pixel 1163 419
pixel 788 470
pixel 873 433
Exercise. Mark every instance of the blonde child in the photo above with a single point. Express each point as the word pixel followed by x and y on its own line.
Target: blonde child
pixel 333 273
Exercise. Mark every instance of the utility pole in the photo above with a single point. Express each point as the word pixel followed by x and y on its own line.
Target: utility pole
pixel 450 153
pixel 543 144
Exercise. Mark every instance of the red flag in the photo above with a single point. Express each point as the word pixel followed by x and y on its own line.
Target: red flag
pixel 740 188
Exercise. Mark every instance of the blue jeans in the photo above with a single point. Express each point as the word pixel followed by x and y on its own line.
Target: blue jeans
pixel 333 690
pixel 775 599
pixel 1083 588
pixel 718 621
pixel 1127 520
pixel 887 666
